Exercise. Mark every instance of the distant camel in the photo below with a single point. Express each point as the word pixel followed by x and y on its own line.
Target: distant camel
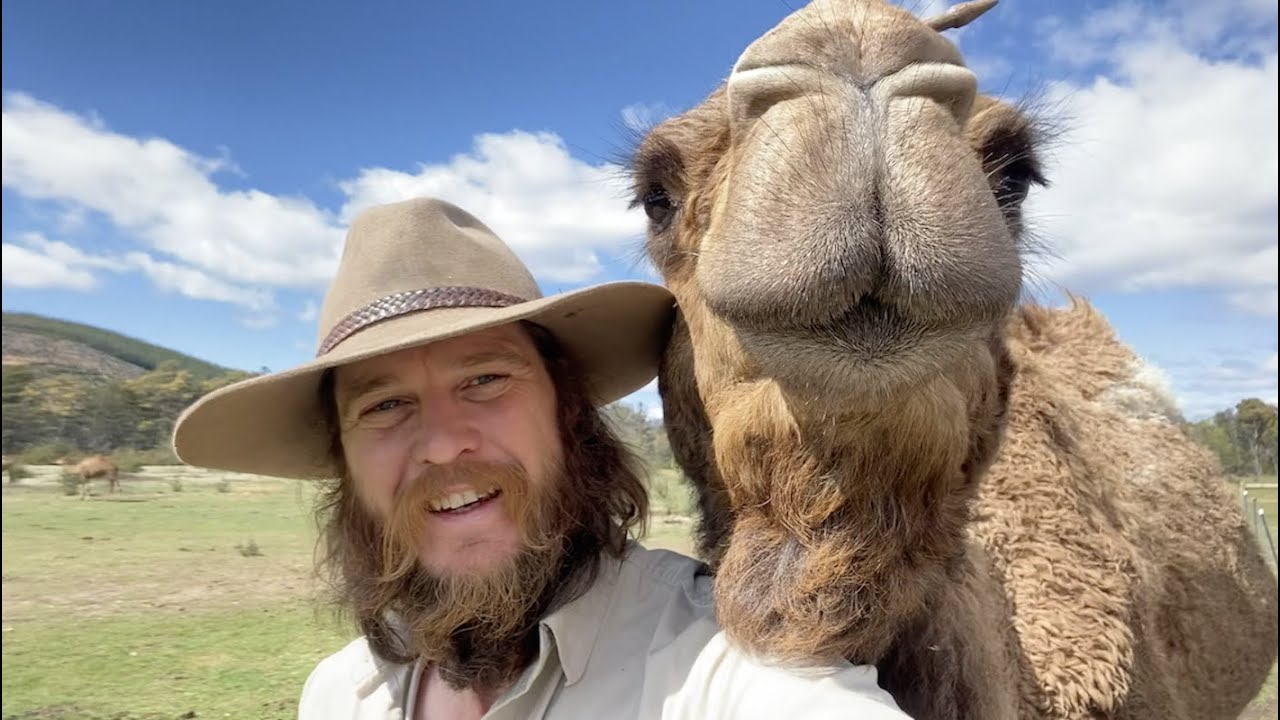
pixel 94 466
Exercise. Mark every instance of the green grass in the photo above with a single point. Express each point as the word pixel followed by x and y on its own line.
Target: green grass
pixel 244 663
pixel 140 606
pixel 1264 705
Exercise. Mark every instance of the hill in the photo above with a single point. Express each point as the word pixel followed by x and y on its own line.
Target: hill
pixel 36 340
pixel 71 387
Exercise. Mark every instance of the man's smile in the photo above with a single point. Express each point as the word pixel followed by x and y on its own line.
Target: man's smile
pixel 461 499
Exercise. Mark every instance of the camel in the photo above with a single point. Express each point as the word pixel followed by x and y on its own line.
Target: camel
pixel 93 466
pixel 898 460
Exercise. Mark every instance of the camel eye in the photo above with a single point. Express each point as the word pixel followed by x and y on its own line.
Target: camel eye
pixel 658 206
pixel 1015 181
pixel 1012 189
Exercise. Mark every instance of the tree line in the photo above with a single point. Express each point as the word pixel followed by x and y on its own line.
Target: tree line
pixel 1243 437
pixel 51 413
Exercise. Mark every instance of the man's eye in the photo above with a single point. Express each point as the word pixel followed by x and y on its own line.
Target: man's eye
pixel 482 380
pixel 384 406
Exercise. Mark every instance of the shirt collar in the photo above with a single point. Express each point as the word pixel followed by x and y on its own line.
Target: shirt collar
pixel 576 625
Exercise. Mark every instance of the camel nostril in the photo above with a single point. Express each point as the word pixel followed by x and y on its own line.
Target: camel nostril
pixel 955 87
pixel 753 89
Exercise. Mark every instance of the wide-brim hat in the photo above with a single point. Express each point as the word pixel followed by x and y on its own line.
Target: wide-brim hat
pixel 411 273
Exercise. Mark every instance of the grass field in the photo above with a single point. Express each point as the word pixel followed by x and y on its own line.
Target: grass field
pixel 1265 706
pixel 153 604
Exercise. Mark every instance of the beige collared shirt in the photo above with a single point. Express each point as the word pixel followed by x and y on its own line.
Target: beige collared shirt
pixel 642 643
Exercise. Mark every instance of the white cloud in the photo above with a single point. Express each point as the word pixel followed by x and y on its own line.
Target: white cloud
pixel 165 196
pixel 557 212
pixel 642 117
pixel 309 312
pixel 1256 302
pixel 1204 390
pixel 647 400
pixel 40 262
pixel 1221 28
pixel 923 8
pixel 68 255
pixel 1168 177
pixel 198 285
pixel 27 268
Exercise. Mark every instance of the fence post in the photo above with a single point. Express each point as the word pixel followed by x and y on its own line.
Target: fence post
pixel 1254 510
pixel 1266 531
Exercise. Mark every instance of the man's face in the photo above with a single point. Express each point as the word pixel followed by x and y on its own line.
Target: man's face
pixel 449 423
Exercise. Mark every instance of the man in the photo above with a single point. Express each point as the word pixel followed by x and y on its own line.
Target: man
pixel 477 507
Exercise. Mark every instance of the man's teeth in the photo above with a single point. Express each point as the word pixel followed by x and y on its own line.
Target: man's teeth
pixel 461 499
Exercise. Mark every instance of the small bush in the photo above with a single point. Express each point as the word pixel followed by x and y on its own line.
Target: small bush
pixel 671 493
pixel 18 472
pixel 249 549
pixel 132 461
pixel 224 486
pixel 47 453
pixel 175 484
pixel 126 464
pixel 70 483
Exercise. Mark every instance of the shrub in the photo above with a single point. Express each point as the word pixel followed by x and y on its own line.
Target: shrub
pixel 224 486
pixel 132 461
pixel 47 453
pixel 70 483
pixel 249 549
pixel 18 472
pixel 175 484
pixel 671 493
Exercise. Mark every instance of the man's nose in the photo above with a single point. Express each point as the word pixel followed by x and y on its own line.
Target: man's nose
pixel 443 436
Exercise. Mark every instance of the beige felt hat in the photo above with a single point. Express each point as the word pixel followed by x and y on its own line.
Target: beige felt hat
pixel 411 273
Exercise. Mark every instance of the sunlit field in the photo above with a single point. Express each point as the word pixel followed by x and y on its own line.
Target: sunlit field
pixel 190 595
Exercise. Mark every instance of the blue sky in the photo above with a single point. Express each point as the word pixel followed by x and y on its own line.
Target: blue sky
pixel 182 172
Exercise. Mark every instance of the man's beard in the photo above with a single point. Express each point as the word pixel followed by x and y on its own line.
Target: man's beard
pixel 481 628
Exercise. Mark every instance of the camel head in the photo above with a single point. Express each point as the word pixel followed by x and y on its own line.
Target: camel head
pixel 840 222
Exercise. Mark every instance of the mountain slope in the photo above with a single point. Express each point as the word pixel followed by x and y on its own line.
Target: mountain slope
pixel 35 340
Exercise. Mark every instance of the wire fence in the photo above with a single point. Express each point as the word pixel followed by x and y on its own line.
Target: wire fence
pixel 1257 515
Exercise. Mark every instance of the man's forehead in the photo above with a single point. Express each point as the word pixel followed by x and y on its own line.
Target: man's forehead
pixel 505 343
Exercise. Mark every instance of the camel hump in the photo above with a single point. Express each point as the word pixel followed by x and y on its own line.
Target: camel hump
pixel 97 466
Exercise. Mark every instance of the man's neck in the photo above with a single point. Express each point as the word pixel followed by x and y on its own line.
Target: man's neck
pixel 437 699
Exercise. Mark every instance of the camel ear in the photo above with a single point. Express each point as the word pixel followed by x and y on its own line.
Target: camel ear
pixel 958 16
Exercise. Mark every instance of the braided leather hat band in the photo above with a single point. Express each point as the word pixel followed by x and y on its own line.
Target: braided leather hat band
pixel 403 303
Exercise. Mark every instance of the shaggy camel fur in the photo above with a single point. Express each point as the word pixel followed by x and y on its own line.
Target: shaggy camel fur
pixel 94 466
pixel 895 463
